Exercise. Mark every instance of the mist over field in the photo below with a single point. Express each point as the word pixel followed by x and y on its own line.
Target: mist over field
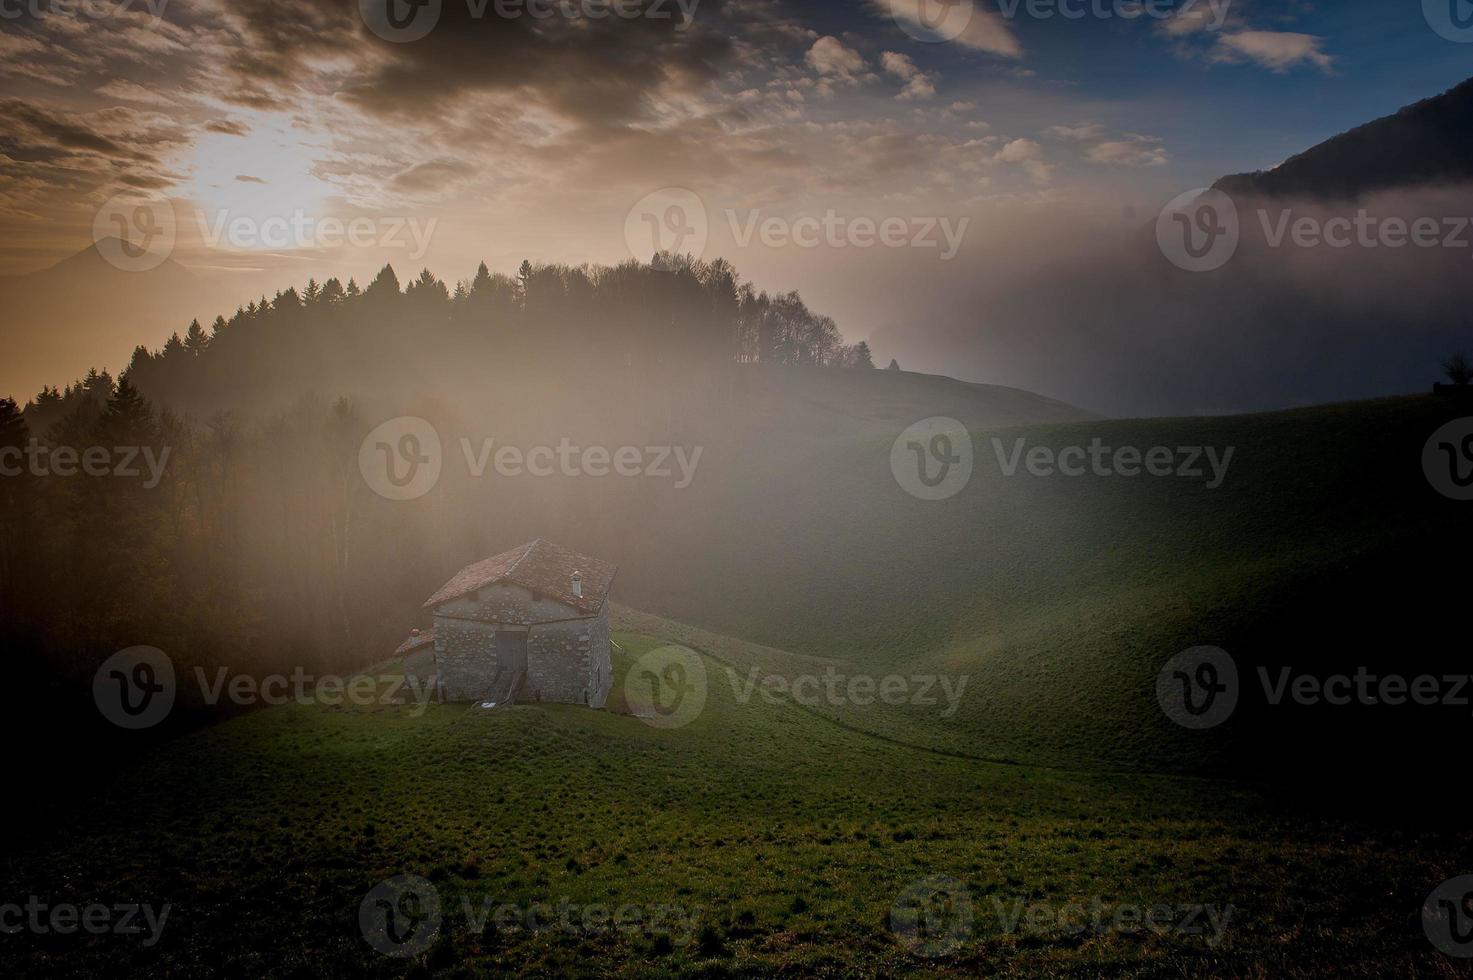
pixel 1088 309
pixel 735 489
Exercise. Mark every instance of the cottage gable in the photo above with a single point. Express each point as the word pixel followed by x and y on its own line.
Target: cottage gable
pixel 529 624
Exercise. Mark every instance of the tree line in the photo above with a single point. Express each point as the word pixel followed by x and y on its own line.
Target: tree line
pixel 674 316
pixel 261 547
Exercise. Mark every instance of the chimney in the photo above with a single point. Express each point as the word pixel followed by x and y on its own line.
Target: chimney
pixel 578 584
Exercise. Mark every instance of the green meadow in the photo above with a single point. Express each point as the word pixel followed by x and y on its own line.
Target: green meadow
pixel 761 838
pixel 1049 819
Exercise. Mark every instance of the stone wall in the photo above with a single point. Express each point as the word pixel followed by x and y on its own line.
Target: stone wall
pixel 465 658
pixel 567 662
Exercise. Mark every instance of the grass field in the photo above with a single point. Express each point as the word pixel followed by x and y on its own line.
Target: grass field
pixel 1060 598
pixel 768 837
pixel 761 838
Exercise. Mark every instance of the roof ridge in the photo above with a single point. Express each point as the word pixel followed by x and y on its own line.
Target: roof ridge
pixel 531 547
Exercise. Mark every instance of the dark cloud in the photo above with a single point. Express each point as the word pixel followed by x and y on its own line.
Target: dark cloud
pixel 228 127
pixel 608 69
pixel 148 181
pixel 24 122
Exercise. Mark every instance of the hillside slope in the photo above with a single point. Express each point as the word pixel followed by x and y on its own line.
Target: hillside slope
pixel 1425 143
pixel 1061 598
pixel 756 840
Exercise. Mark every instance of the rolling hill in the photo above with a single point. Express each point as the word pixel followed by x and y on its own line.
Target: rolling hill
pixel 1430 142
pixel 785 833
pixel 758 839
pixel 1061 598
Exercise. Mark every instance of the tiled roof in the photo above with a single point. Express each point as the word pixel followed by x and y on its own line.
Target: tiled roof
pixel 540 566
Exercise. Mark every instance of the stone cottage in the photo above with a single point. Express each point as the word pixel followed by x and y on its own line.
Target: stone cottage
pixel 531 624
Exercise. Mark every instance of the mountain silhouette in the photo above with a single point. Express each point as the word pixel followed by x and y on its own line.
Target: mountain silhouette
pixel 1430 142
pixel 86 303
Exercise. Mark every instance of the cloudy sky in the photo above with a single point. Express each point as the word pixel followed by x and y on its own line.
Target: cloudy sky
pixel 464 130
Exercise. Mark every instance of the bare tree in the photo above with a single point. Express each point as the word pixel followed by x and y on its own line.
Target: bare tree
pixel 1458 370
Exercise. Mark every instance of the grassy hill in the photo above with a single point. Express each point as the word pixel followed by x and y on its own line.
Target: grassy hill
pixel 764 837
pixel 782 834
pixel 1061 598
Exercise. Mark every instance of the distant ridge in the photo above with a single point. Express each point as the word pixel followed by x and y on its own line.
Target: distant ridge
pixel 1429 142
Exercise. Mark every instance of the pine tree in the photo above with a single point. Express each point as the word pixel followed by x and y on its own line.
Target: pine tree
pixel 384 283
pixel 13 430
pixel 862 358
pixel 14 502
pixel 129 418
pixel 196 341
pixel 524 279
